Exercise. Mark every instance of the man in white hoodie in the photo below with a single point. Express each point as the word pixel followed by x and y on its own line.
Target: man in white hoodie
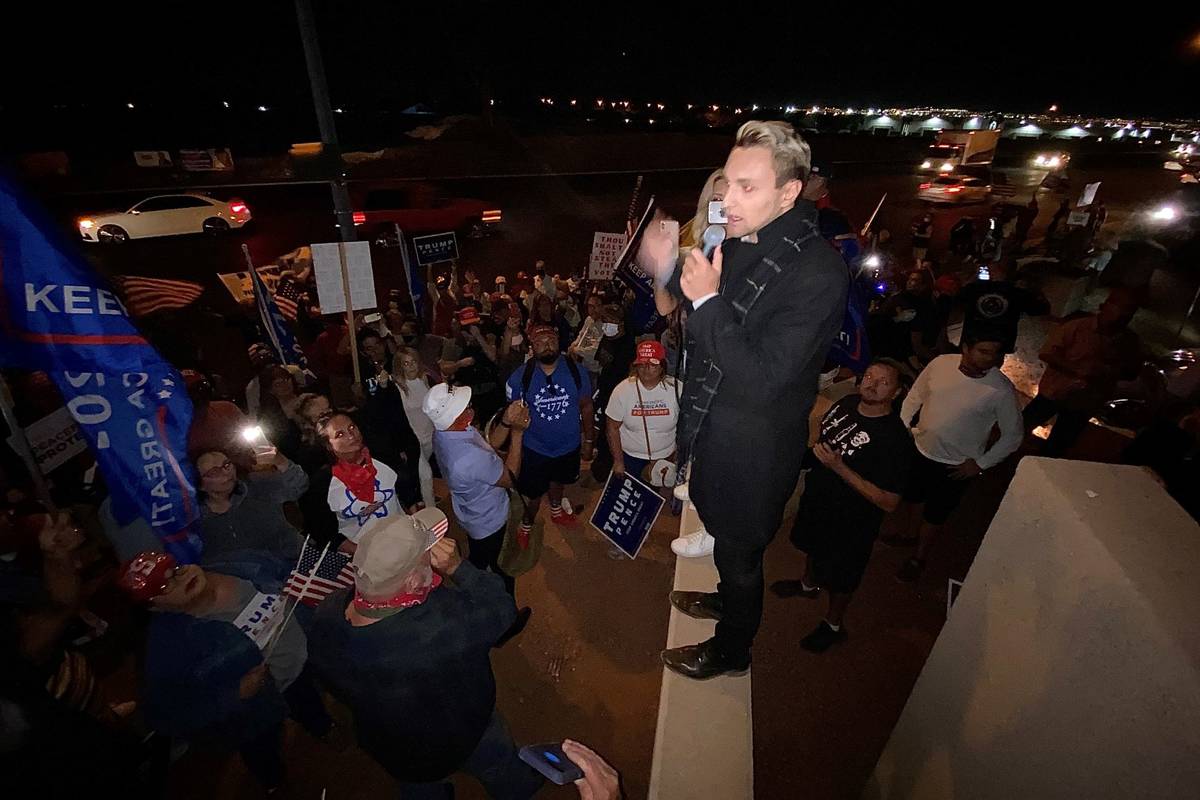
pixel 960 398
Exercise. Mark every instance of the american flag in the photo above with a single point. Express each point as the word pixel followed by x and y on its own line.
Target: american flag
pixel 334 573
pixel 145 296
pixel 288 295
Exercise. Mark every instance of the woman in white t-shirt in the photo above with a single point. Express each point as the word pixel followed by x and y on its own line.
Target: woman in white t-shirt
pixel 362 493
pixel 414 385
pixel 642 413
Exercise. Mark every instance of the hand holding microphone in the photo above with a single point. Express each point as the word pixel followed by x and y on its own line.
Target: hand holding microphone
pixel 702 277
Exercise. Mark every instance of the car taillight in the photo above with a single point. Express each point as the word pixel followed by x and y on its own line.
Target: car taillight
pixel 493 215
pixel 238 207
pixel 359 217
pixel 925 185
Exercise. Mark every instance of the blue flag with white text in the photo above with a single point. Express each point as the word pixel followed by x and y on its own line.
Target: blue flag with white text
pixel 58 316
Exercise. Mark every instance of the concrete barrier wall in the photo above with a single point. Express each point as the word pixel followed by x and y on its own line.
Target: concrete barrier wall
pixel 1070 663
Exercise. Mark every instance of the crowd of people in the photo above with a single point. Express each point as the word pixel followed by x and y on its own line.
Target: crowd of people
pixel 503 397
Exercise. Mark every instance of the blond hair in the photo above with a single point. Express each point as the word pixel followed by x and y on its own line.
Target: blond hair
pixel 790 154
pixel 700 221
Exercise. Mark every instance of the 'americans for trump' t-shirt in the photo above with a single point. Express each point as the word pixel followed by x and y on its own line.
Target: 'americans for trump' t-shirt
pixel 553 402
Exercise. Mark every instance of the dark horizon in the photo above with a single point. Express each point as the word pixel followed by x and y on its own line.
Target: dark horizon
pixel 385 54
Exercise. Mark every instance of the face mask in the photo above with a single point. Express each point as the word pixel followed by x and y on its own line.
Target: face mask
pixel 609 328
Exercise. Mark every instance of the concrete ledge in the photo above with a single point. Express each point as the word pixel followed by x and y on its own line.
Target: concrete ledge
pixel 704 741
pixel 1070 663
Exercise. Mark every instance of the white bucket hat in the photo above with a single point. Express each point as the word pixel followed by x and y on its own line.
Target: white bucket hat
pixel 444 403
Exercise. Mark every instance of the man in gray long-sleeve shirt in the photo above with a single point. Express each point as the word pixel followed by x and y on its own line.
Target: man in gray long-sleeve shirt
pixel 959 398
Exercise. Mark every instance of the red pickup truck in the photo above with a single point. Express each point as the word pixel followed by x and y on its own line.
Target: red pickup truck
pixel 420 209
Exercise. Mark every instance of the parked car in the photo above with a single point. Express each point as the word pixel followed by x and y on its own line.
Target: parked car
pixel 420 209
pixel 954 189
pixel 165 215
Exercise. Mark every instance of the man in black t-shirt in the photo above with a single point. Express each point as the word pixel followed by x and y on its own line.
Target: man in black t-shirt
pixel 858 470
pixel 998 305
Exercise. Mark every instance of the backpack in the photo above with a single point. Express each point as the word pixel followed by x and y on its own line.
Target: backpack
pixel 527 376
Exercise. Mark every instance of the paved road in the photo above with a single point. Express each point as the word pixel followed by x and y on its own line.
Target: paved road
pixel 553 218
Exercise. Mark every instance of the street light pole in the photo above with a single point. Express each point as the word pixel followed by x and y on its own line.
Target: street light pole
pixel 332 158
pixel 330 152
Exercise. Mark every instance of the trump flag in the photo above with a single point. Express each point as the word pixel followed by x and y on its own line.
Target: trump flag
pixel 58 316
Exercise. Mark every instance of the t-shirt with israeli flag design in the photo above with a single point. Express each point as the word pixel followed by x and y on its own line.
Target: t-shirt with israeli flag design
pixel 553 404
pixel 355 516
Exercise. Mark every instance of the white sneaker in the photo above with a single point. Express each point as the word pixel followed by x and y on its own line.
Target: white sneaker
pixel 681 491
pixel 566 505
pixel 694 545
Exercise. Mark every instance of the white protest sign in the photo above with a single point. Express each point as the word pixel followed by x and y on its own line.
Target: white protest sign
pixel 1089 194
pixel 54 440
pixel 327 267
pixel 606 248
pixel 1078 218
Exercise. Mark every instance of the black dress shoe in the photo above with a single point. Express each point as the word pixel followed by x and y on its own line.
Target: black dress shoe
pixel 518 625
pixel 701 605
pixel 702 661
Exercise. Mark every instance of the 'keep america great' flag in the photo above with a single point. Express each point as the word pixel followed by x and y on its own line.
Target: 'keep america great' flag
pixel 57 315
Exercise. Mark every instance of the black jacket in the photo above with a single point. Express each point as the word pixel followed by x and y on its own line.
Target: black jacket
pixel 755 434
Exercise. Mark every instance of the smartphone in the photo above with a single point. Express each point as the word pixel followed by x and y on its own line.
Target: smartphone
pixel 551 761
pixel 372 385
pixel 371 319
pixel 716 213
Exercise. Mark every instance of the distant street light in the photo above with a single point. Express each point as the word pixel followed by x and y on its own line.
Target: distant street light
pixel 262 108
pixel 225 103
pixel 129 105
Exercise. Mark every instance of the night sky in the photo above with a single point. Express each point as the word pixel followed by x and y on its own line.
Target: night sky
pixel 1022 60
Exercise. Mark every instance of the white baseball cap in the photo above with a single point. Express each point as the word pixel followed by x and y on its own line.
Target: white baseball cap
pixel 445 403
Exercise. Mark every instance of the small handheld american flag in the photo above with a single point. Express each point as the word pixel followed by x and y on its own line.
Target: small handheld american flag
pixel 330 570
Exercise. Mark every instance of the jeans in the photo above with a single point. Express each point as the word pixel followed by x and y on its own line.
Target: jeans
pixel 426 474
pixel 494 763
pixel 1068 426
pixel 740 566
pixel 485 554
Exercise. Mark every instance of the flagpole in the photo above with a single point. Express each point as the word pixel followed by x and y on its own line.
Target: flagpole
pixel 867 227
pixel 407 269
pixel 40 487
pixel 295 569
pixel 288 616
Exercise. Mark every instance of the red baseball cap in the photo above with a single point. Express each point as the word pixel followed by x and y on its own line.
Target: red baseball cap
pixel 542 330
pixel 144 577
pixel 468 316
pixel 651 352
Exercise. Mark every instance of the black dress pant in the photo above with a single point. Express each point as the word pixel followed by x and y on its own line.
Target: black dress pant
pixel 740 565
pixel 485 554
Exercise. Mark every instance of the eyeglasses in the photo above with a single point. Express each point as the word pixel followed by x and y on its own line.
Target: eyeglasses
pixel 217 470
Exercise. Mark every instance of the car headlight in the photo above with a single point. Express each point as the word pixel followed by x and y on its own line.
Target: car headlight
pixel 86 224
pixel 926 164
pixel 1054 162
pixel 946 167
pixel 1040 160
pixel 1164 214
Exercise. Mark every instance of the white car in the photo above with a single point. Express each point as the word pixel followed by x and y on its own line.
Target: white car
pixel 165 215
pixel 954 189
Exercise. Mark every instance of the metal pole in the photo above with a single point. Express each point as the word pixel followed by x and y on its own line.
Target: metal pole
pixel 320 93
pixel 40 488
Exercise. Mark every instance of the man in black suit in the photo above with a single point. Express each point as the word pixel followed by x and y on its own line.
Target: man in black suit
pixel 764 313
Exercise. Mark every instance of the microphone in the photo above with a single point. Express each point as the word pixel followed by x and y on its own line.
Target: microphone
pixel 713 236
